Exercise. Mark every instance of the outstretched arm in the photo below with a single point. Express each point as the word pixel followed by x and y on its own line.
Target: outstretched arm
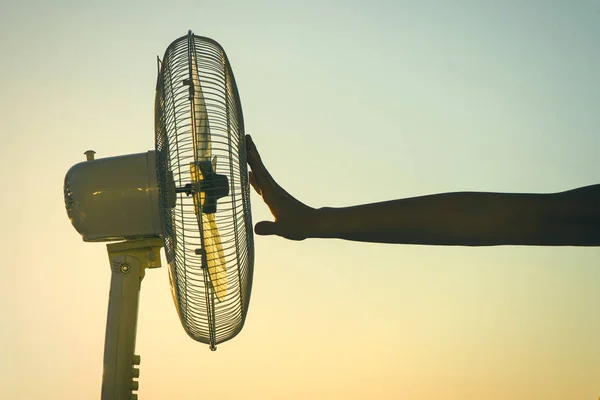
pixel 569 218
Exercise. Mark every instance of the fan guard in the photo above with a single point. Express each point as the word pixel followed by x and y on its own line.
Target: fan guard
pixel 196 91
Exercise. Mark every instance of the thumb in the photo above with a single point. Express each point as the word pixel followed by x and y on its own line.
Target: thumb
pixel 266 228
pixel 279 228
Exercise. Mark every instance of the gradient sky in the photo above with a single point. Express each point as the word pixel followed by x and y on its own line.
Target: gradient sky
pixel 349 102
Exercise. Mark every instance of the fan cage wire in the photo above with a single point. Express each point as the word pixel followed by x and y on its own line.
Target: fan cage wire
pixel 203 317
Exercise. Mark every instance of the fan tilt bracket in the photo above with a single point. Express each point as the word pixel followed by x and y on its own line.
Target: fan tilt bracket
pixel 213 185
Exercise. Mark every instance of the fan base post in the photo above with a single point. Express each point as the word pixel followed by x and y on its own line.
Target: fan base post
pixel 128 261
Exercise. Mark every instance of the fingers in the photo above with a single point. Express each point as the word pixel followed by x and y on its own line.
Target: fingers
pixel 256 165
pixel 261 176
pixel 252 152
pixel 253 182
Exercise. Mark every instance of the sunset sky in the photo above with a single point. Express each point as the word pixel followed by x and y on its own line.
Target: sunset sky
pixel 349 102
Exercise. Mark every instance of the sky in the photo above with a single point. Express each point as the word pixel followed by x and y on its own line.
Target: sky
pixel 348 102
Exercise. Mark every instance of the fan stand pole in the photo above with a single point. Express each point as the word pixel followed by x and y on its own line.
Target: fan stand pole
pixel 128 262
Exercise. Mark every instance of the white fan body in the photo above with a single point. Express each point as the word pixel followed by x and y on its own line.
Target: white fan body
pixel 114 198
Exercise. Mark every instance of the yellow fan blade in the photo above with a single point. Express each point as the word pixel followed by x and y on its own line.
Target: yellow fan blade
pixel 215 256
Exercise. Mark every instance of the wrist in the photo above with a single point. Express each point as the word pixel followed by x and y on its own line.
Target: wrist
pixel 321 223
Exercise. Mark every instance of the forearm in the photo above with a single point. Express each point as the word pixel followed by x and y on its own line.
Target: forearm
pixel 471 219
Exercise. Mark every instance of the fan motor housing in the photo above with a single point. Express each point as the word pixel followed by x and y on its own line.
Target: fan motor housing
pixel 114 198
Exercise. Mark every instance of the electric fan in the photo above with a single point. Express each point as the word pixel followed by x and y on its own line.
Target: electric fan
pixel 190 195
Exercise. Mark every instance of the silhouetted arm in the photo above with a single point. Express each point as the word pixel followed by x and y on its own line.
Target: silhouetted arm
pixel 471 219
pixel 569 218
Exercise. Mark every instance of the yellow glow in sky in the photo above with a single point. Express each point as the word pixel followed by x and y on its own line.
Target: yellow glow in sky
pixel 346 101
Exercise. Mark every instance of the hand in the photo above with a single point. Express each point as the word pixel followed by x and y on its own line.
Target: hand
pixel 293 219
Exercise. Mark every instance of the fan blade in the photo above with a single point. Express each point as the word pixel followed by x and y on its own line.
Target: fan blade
pixel 215 256
pixel 200 126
